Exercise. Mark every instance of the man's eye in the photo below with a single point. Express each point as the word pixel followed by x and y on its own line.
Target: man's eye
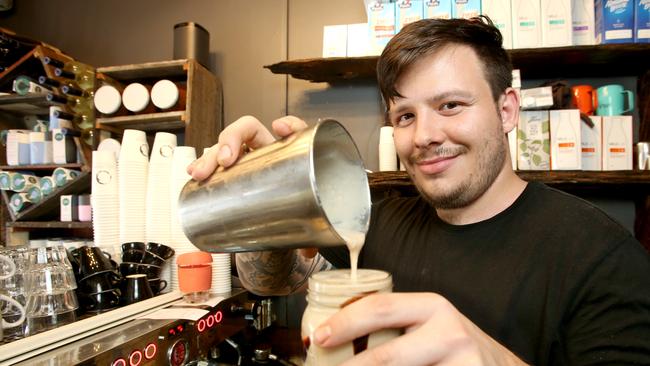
pixel 449 106
pixel 403 119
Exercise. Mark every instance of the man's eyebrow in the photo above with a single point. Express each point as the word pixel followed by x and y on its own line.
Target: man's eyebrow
pixel 433 99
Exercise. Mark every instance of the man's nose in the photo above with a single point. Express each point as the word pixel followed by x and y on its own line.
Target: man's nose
pixel 429 130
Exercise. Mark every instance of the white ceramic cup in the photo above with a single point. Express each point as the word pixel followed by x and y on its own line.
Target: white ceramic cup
pixel 10 265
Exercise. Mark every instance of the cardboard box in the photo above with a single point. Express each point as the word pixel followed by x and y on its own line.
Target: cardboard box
pixel 537 98
pixel 642 21
pixel 406 12
pixel 614 21
pixel 500 11
pixel 357 43
pixel 381 24
pixel 526 27
pixel 583 22
pixel 335 39
pixel 557 29
pixel 533 141
pixel 592 144
pixel 64 150
pixel 465 8
pixel 437 9
pixel 69 207
pixel 617 142
pixel 565 139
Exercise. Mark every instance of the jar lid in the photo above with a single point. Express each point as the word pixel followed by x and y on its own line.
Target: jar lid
pixel 194 259
pixel 107 99
pixel 164 94
pixel 135 97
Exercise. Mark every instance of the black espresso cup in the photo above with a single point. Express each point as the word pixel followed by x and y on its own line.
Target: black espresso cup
pixel 151 258
pixel 100 282
pixel 100 301
pixel 133 251
pixel 129 268
pixel 136 288
pixel 157 285
pixel 161 250
pixel 150 270
pixel 93 260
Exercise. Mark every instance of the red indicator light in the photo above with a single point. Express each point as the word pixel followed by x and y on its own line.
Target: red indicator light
pixel 179 327
pixel 119 362
pixel 172 332
pixel 209 321
pixel 218 316
pixel 135 358
pixel 150 351
pixel 201 325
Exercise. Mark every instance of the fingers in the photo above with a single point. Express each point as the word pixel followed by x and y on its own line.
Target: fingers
pixel 246 130
pixel 287 125
pixel 375 312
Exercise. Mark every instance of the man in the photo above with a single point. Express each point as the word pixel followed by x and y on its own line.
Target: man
pixel 507 272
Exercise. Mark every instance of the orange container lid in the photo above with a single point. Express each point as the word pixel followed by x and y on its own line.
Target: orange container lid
pixel 194 259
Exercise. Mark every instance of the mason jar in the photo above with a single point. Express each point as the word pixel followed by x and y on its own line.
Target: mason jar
pixel 329 292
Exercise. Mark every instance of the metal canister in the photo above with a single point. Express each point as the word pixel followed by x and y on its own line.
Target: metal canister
pixel 301 191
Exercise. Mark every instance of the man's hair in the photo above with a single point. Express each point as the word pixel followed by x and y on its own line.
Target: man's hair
pixel 427 36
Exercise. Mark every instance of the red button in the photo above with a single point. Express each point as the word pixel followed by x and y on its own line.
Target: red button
pixel 201 325
pixel 135 358
pixel 210 321
pixel 218 316
pixel 119 362
pixel 150 351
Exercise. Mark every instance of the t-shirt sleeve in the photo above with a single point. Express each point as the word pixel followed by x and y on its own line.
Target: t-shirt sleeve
pixel 609 323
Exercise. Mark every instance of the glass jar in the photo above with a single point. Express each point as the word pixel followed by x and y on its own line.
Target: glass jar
pixel 329 291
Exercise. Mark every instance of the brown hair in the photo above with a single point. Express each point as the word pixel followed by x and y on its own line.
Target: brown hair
pixel 426 36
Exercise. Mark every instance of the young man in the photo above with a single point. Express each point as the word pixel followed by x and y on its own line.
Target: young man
pixel 503 271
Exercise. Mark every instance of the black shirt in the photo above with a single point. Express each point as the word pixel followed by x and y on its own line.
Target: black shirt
pixel 552 278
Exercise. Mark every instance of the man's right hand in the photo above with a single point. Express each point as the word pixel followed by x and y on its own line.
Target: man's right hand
pixel 246 131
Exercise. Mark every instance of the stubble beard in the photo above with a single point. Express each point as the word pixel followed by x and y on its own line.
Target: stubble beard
pixel 491 158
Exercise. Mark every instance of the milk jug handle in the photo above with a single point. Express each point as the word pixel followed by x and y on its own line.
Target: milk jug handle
pixel 630 100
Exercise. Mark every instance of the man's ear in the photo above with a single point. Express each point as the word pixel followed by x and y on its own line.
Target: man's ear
pixel 509 109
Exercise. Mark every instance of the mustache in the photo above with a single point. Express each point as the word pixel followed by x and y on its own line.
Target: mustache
pixel 437 152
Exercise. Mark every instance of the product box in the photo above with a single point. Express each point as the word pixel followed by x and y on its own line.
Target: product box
pixel 592 144
pixel 526 27
pixel 37 147
pixel 437 9
pixel 642 21
pixel 537 98
pixel 614 21
pixel 583 20
pixel 512 144
pixel 617 142
pixel 533 141
pixel 335 40
pixel 69 207
pixel 465 8
pixel 18 151
pixel 381 24
pixel 357 43
pixel 500 12
pixel 565 139
pixel 407 11
pixel 557 29
pixel 64 150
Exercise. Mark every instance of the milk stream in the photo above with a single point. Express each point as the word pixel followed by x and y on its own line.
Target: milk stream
pixel 354 241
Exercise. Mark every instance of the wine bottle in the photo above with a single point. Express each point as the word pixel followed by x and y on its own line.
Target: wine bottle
pixel 24 85
pixel 83 75
pixel 81 121
pixel 76 104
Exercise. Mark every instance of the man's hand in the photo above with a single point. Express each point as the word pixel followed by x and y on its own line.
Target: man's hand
pixel 436 333
pixel 246 131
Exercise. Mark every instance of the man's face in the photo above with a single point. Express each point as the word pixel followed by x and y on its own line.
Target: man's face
pixel 448 132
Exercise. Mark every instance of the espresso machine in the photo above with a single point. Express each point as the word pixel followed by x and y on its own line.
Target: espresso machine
pixel 232 332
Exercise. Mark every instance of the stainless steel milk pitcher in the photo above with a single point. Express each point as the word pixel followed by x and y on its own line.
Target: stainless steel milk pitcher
pixel 301 191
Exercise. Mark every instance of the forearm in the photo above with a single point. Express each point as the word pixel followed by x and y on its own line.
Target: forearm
pixel 279 272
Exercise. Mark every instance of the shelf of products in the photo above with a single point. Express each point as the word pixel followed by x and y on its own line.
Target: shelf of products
pixel 552 62
pixel 201 119
pixel 44 167
pixel 50 225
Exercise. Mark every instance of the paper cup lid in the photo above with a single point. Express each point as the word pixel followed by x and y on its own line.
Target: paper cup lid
pixel 135 97
pixel 107 99
pixel 164 94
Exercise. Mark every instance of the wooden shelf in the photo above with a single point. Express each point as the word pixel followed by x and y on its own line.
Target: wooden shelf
pixel 551 62
pixel 23 105
pixel 49 225
pixel 629 182
pixel 147 122
pixel 41 167
pixel 49 207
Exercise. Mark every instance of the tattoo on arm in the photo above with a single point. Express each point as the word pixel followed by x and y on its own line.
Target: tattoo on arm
pixel 277 272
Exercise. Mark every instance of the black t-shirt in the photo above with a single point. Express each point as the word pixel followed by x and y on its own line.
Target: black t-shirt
pixel 552 277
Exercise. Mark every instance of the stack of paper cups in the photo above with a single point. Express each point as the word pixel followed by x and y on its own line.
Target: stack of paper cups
pixel 182 157
pixel 387 154
pixel 132 169
pixel 158 218
pixel 105 200
pixel 221 280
